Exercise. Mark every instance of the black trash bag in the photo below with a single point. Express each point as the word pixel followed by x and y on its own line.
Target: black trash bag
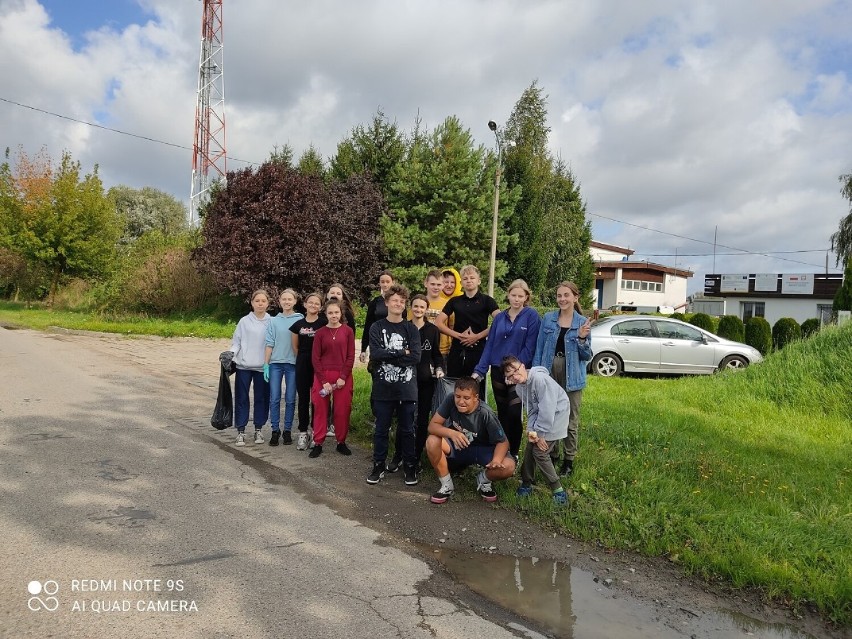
pixel 223 413
pixel 443 387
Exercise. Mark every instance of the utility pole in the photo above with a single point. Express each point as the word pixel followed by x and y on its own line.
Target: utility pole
pixel 208 150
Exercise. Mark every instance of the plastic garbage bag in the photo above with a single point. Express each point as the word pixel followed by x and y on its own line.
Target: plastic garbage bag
pixel 223 413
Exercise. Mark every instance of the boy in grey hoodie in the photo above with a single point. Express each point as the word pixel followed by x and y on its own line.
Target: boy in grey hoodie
pixel 548 411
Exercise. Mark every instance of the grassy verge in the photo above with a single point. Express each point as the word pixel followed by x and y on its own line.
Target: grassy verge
pixel 743 477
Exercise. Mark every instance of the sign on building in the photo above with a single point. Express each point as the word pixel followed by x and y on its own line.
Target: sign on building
pixel 734 283
pixel 767 282
pixel 797 284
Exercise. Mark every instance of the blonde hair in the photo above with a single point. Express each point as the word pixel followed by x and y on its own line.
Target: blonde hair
pixel 469 268
pixel 521 284
pixel 291 292
pixel 260 291
pixel 573 288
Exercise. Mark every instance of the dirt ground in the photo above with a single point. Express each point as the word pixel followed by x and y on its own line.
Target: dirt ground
pixel 407 519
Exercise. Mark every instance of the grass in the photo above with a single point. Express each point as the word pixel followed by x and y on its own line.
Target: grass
pixel 741 478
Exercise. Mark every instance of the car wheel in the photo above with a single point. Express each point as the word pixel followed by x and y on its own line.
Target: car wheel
pixel 733 363
pixel 606 365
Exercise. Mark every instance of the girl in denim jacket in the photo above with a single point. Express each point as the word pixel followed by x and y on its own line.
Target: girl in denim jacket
pixel 563 347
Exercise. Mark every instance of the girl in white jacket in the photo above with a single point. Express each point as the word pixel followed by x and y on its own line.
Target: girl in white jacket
pixel 248 347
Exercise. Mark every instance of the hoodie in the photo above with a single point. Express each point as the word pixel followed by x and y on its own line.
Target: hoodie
pixel 446 340
pixel 249 342
pixel 546 403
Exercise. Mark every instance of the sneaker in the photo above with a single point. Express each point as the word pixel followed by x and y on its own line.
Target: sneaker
pixel 241 439
pixel 258 437
pixel 343 449
pixel 524 491
pixel 302 443
pixel 393 465
pixel 567 467
pixel 316 451
pixel 286 438
pixel 486 491
pixel 560 498
pixel 411 478
pixel 442 495
pixel 378 472
pixel 273 441
pixel 311 442
pixel 330 431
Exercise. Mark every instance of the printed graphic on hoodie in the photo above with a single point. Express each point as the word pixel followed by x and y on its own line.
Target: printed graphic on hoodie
pixel 391 373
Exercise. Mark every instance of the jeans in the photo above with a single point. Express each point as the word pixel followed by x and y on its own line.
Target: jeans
pixel 242 381
pixel 277 371
pixel 405 429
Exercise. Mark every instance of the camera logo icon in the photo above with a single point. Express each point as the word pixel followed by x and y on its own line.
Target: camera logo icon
pixel 48 588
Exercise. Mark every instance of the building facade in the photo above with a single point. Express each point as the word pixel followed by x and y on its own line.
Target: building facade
pixel 644 286
pixel 772 296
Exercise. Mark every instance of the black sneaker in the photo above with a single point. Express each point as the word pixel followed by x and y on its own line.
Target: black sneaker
pixel 343 449
pixel 442 495
pixel 411 478
pixel 286 437
pixel 567 467
pixel 273 441
pixel 316 451
pixel 393 465
pixel 377 474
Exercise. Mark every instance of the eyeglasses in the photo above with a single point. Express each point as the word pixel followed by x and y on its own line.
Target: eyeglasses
pixel 510 374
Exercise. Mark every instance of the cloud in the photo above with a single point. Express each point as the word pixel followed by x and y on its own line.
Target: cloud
pixel 734 116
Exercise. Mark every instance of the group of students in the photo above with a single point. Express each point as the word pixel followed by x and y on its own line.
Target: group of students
pixel 535 364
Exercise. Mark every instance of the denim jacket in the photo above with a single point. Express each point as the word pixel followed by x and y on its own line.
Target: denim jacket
pixel 577 353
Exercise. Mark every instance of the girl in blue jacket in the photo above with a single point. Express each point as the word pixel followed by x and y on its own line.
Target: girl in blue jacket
pixel 563 347
pixel 513 332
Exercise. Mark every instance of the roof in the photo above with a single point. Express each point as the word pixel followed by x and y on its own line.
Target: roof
pixel 611 247
pixel 649 266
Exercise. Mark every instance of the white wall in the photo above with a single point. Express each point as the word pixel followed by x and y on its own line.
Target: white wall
pixel 673 293
pixel 776 308
pixel 605 255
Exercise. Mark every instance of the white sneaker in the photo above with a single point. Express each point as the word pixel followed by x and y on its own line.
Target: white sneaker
pixel 241 440
pixel 330 432
pixel 302 443
pixel 310 439
pixel 258 438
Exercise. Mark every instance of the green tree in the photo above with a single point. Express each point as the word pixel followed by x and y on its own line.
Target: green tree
pixel 702 320
pixel 148 209
pixel 376 149
pixel 441 204
pixel 843 297
pixel 311 162
pixel 281 155
pixel 528 165
pixel 63 222
pixel 841 241
pixel 784 331
pixel 550 217
pixel 731 327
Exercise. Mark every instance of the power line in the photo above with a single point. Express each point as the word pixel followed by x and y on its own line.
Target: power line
pixel 106 128
pixel 692 239
pixel 743 254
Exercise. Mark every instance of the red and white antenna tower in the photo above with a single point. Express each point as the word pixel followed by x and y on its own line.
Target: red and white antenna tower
pixel 208 150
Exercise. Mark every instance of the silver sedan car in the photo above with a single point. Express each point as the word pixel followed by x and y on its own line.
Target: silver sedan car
pixel 652 344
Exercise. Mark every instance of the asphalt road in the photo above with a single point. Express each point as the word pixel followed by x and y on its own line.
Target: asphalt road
pixel 121 517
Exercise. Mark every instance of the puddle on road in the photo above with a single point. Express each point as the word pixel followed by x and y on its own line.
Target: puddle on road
pixel 569 604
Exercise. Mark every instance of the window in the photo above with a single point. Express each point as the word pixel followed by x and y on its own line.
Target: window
pixel 753 309
pixel 670 330
pixel 633 328
pixel 636 285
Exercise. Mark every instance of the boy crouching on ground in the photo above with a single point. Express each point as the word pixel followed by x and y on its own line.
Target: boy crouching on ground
pixel 546 404
pixel 462 432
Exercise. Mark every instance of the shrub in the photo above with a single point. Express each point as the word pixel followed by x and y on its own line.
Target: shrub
pixel 678 316
pixel 785 331
pixel 731 327
pixel 810 327
pixel 702 320
pixel 758 334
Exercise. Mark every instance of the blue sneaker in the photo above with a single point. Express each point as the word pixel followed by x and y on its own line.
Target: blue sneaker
pixel 524 491
pixel 560 497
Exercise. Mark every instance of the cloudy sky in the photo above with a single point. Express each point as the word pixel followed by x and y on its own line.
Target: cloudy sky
pixel 680 119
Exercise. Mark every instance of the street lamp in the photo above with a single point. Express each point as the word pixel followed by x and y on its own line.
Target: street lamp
pixel 493 263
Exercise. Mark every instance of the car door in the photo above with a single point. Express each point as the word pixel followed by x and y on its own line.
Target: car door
pixel 637 345
pixel 683 349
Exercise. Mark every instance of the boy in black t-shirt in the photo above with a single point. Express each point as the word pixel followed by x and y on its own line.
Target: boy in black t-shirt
pixel 462 432
pixel 470 312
